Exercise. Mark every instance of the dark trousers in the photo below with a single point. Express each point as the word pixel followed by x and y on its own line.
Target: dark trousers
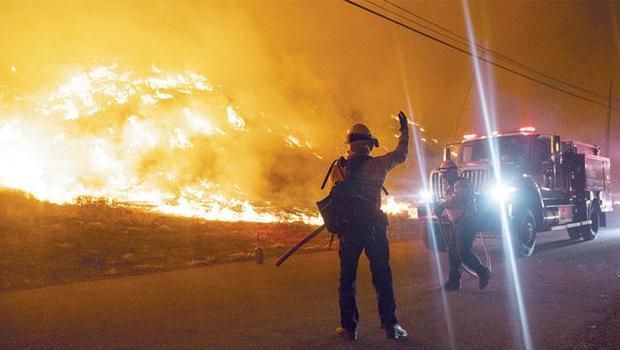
pixel 377 250
pixel 460 249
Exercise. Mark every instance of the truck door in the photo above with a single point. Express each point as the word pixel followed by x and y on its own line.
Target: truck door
pixel 548 174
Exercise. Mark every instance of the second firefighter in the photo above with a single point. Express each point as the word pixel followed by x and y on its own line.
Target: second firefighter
pixel 459 203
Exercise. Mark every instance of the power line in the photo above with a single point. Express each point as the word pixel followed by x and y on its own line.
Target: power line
pixel 458 38
pixel 461 112
pixel 465 41
pixel 486 49
pixel 495 64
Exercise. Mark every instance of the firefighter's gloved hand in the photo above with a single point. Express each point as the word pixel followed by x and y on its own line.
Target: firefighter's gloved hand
pixel 402 119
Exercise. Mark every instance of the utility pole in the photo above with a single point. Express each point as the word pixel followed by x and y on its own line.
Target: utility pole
pixel 609 121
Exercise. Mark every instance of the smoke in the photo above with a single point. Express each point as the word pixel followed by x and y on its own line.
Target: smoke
pixel 258 101
pixel 189 109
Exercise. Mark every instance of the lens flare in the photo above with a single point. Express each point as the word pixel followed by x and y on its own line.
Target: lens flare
pixel 501 193
pixel 420 157
pixel 425 196
pixel 489 122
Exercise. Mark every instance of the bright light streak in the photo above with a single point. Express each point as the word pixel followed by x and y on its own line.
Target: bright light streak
pixel 501 193
pixel 426 196
pixel 527 129
pixel 492 142
pixel 430 227
pixel 420 156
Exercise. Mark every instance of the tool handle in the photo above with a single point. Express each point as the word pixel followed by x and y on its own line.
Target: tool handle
pixel 296 247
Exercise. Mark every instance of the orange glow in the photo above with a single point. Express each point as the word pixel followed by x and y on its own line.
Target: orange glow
pixel 393 207
pixel 133 139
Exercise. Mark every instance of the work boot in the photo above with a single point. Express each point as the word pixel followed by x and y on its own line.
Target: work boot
pixel 484 278
pixel 452 285
pixel 346 334
pixel 395 332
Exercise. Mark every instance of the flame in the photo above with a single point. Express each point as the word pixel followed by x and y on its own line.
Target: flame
pixel 393 207
pixel 118 135
pixel 222 209
pixel 167 142
pixel 234 119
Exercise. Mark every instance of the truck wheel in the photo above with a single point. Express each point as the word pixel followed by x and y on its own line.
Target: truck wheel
pixel 574 233
pixel 440 240
pixel 589 232
pixel 524 234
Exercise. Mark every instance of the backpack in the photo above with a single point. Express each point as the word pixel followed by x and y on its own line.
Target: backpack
pixel 344 207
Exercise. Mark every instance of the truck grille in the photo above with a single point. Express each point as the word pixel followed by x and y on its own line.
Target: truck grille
pixel 437 185
pixel 477 177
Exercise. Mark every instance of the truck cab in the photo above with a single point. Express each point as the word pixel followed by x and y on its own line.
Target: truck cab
pixel 543 183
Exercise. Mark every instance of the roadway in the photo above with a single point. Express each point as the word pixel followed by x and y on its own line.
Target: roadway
pixel 567 287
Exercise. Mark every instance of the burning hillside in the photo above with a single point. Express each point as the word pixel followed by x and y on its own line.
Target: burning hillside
pixel 173 142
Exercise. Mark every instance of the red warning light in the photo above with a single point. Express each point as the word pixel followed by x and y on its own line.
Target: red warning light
pixel 469 136
pixel 527 129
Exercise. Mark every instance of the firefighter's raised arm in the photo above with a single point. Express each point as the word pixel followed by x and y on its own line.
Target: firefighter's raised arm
pixel 399 154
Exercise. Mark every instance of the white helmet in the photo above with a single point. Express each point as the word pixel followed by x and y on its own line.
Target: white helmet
pixel 360 132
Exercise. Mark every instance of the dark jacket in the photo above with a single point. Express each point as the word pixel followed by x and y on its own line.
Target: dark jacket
pixel 373 171
pixel 458 199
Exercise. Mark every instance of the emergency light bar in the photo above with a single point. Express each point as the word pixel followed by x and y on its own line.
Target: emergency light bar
pixel 525 129
pixel 469 136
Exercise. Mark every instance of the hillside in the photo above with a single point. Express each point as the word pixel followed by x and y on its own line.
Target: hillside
pixel 45 244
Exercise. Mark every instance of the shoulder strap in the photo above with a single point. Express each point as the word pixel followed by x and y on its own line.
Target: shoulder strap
pixel 331 168
pixel 329 171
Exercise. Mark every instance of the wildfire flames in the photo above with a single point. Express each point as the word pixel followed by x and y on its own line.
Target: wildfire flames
pixel 172 142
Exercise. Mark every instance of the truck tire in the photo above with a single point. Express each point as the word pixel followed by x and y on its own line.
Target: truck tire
pixel 524 234
pixel 440 239
pixel 589 232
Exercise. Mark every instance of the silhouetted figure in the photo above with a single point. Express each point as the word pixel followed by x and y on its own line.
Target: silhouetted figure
pixel 366 230
pixel 459 203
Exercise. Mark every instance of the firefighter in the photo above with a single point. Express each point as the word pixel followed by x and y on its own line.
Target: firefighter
pixel 458 202
pixel 368 231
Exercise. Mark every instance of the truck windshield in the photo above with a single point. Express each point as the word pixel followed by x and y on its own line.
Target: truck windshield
pixel 511 149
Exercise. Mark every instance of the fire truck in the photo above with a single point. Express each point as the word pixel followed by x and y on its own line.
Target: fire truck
pixel 539 183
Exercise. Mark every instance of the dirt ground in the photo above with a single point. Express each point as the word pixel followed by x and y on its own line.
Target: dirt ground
pixel 43 244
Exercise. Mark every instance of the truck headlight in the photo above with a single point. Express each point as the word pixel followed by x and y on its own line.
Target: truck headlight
pixel 426 196
pixel 502 193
